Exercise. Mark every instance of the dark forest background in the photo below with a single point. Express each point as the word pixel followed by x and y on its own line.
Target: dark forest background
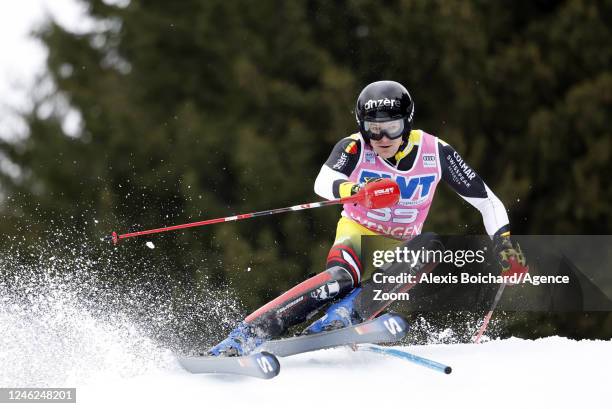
pixel 196 109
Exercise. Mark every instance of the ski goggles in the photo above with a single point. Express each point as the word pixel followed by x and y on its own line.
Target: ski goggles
pixel 391 129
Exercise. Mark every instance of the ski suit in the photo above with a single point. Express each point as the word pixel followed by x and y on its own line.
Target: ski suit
pixel 421 162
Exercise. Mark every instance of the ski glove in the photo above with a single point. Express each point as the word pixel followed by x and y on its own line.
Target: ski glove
pixel 511 259
pixel 349 188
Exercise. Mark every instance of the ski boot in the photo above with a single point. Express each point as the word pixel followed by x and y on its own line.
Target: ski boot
pixel 241 341
pixel 338 315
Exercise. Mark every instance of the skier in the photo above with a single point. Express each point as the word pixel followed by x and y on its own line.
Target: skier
pixel 385 146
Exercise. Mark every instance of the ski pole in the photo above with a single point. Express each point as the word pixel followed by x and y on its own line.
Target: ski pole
pixel 375 195
pixel 487 317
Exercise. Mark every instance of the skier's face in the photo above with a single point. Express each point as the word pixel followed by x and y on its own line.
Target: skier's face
pixel 386 147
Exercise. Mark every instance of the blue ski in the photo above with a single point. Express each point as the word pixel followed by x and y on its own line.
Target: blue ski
pixel 386 328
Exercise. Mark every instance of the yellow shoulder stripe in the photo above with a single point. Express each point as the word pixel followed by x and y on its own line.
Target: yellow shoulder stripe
pixel 413 139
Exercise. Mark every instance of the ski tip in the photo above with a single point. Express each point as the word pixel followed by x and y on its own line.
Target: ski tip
pixel 268 365
pixel 261 365
pixel 395 324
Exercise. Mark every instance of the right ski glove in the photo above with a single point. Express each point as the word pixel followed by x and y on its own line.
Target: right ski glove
pixel 349 188
pixel 374 193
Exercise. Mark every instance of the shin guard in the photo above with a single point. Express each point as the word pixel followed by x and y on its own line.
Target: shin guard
pixel 302 301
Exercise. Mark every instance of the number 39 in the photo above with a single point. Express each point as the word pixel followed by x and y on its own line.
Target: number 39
pixel 396 215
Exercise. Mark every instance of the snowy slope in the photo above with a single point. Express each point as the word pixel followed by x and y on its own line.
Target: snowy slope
pixel 551 372
pixel 113 364
pixel 61 327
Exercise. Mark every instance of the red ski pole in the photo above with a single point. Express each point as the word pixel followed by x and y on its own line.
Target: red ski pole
pixel 515 268
pixel 487 317
pixel 374 195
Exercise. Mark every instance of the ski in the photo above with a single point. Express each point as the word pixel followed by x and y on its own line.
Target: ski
pixel 386 328
pixel 262 365
pixel 398 353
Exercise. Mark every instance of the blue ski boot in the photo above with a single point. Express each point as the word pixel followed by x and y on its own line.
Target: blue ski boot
pixel 338 315
pixel 241 341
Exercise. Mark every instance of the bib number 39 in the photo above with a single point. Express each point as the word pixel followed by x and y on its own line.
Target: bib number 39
pixel 405 216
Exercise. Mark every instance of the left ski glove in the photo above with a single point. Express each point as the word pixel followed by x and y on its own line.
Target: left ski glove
pixel 511 259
